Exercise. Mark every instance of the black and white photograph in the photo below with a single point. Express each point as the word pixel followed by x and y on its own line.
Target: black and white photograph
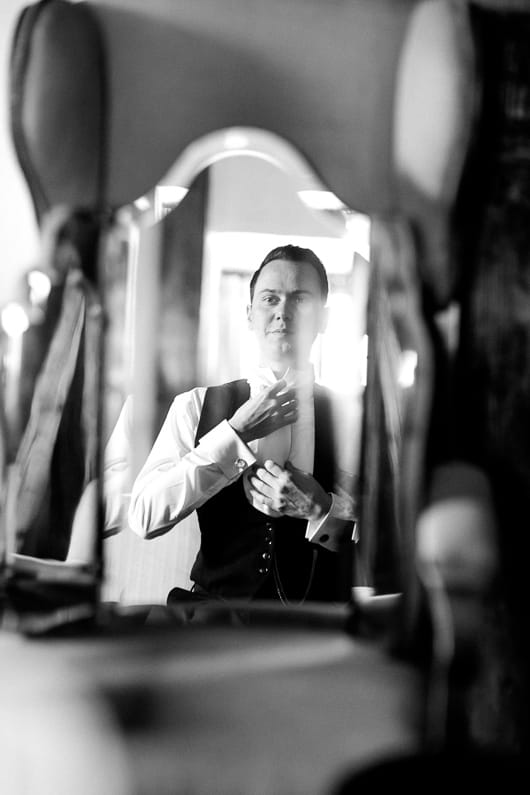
pixel 264 397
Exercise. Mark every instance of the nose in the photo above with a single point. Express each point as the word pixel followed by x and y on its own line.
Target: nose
pixel 283 310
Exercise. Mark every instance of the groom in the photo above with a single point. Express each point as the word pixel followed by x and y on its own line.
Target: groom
pixel 256 458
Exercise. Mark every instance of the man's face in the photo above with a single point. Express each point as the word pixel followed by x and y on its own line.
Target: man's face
pixel 286 314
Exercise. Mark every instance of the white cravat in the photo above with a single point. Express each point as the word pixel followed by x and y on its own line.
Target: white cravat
pixel 294 443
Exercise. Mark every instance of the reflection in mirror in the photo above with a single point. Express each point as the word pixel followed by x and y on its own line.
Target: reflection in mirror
pixel 397 405
pixel 194 244
pixel 51 380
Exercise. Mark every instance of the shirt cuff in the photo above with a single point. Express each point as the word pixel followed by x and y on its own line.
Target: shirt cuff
pixel 331 530
pixel 224 446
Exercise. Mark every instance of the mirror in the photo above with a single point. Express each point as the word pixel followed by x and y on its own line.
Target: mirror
pixel 175 270
pixel 196 240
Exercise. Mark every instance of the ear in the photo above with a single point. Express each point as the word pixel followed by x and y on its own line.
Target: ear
pixel 324 317
pixel 249 315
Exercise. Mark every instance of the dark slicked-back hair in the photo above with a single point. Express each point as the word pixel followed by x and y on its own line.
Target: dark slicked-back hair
pixel 294 254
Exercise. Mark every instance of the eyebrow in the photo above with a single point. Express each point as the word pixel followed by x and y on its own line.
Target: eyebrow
pixel 277 292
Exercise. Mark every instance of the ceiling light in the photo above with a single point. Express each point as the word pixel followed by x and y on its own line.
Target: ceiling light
pixel 321 200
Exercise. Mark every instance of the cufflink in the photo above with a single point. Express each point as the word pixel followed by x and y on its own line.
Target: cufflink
pixel 240 464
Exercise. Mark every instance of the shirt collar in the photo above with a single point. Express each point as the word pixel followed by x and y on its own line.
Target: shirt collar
pixel 262 377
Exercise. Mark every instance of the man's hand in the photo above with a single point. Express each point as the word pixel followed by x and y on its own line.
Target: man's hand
pixel 265 413
pixel 289 491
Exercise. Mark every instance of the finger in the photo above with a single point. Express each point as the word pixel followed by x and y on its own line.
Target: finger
pixel 287 406
pixel 271 466
pixel 287 397
pixel 277 387
pixel 260 486
pixel 286 418
pixel 274 502
pixel 259 499
pixel 289 410
pixel 266 478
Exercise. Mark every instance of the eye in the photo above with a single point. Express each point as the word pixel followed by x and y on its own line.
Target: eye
pixel 270 299
pixel 304 300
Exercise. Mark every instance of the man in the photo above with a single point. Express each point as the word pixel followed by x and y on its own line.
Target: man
pixel 255 458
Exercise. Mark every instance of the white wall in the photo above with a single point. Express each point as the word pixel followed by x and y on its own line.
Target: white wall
pixel 18 228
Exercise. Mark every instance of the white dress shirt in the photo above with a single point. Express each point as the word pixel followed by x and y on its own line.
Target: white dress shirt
pixel 178 477
pixel 295 442
pixel 117 471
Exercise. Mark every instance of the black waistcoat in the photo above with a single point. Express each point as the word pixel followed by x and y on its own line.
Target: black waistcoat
pixel 240 545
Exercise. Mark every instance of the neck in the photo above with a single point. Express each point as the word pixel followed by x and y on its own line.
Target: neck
pixel 280 368
pixel 279 372
pixel 288 371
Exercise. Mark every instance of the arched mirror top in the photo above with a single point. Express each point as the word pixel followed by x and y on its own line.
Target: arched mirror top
pixel 289 173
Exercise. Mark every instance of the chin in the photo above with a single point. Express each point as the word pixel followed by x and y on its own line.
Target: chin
pixel 283 356
pixel 282 351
